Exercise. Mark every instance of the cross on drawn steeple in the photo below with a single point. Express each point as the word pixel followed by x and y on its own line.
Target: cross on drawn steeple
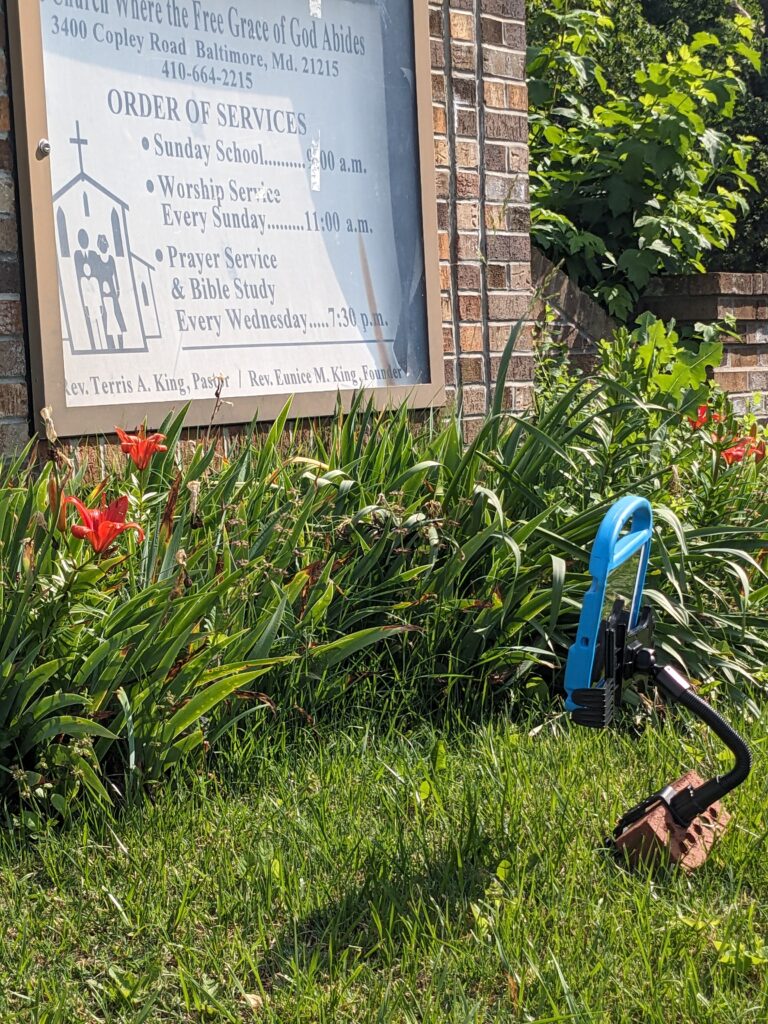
pixel 79 142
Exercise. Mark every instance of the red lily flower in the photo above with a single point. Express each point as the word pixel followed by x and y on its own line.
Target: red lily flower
pixel 140 447
pixel 101 526
pixel 743 449
pixel 737 452
pixel 703 417
pixel 738 449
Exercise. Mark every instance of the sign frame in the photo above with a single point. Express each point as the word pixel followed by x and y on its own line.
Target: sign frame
pixel 41 281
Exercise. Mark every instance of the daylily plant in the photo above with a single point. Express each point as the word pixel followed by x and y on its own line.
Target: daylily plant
pixel 102 526
pixel 140 446
pixel 739 449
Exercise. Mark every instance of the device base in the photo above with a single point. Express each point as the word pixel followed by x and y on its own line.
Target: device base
pixel 657 838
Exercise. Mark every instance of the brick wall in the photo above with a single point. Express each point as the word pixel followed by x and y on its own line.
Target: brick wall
pixel 481 151
pixel 566 313
pixel 712 297
pixel 14 399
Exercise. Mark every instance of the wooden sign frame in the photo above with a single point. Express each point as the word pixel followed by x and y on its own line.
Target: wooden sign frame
pixel 40 265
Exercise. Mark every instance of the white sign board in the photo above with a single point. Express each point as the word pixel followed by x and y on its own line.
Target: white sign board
pixel 236 197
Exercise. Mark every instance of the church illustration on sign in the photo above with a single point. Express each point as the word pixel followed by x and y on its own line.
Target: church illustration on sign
pixel 107 291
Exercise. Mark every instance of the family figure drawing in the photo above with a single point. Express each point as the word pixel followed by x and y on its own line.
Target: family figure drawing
pixel 100 294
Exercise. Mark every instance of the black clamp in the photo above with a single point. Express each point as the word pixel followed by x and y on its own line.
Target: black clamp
pixel 622 654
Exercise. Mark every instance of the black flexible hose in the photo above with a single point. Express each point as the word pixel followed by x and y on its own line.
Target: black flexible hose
pixel 685 806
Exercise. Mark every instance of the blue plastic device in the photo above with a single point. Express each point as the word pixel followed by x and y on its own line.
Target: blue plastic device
pixel 626 530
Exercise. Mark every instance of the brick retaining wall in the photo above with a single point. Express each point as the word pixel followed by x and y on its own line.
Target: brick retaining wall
pixel 710 297
pixel 567 313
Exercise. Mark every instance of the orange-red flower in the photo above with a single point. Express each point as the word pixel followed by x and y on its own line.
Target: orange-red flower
pixel 102 526
pixel 738 449
pixel 704 415
pixel 743 449
pixel 141 447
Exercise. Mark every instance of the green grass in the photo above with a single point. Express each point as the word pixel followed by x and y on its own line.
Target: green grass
pixel 354 876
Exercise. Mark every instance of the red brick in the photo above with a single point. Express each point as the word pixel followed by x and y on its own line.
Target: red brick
pixel 504 8
pixel 469 246
pixel 471 338
pixel 493 31
pixel 508 127
pixel 469 277
pixel 474 400
pixel 523 398
pixel 514 36
pixel 495 157
pixel 498 335
pixel 495 94
pixel 472 369
pixel 467 185
pixel 470 307
pixel 502 306
pixel 465 91
pixel 462 26
pixel 517 97
pixel 13 361
pixel 504 64
pixel 516 248
pixel 10 317
pixel 6 155
pixel 736 307
pixel 471 428
pixel 14 401
pixel 732 380
pixel 463 56
pixel 13 436
pixel 10 277
pixel 497 276
pixel 9 236
pixel 738 359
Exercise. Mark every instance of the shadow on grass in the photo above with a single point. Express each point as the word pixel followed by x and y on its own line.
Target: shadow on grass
pixel 396 901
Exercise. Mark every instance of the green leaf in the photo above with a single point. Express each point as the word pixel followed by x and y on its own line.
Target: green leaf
pixel 702 41
pixel 439 756
pixel 558 585
pixel 65 725
pixel 339 650
pixel 211 695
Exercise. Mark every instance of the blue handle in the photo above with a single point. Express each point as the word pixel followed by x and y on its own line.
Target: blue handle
pixel 612 548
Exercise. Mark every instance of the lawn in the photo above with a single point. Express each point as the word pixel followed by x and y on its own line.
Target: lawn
pixel 423 843
pixel 369 873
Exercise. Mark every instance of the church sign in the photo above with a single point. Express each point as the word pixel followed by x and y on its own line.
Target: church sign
pixel 225 196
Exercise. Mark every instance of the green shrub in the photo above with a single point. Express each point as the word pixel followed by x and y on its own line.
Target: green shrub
pixel 631 179
pixel 360 560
